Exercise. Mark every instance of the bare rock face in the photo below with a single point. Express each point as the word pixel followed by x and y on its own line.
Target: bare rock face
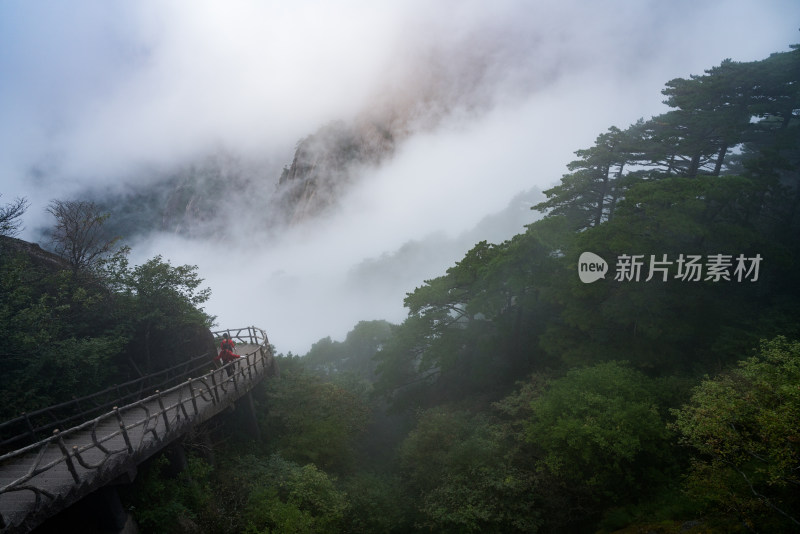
pixel 325 163
pixel 453 71
pixel 11 245
pixel 457 79
pixel 199 193
pixel 430 83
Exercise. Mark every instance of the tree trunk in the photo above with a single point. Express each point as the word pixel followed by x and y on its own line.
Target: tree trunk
pixel 720 158
pixel 787 117
pixel 598 216
pixel 615 192
pixel 694 166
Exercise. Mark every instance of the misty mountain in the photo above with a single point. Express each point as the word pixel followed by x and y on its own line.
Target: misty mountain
pixel 324 164
pixel 199 198
pixel 193 200
pixel 432 255
pixel 447 82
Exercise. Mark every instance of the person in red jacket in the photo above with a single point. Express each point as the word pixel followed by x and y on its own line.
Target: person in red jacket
pixel 226 354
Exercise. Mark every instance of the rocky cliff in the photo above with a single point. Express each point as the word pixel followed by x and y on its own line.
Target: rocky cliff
pixel 324 165
pixel 11 246
pixel 429 83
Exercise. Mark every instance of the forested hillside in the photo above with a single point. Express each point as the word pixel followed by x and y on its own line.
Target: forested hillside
pixel 519 396
pixel 69 329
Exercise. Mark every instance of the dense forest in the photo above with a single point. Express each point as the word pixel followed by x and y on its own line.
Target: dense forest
pixel 516 397
pixel 71 325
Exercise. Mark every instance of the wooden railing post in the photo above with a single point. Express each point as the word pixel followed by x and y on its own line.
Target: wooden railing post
pixel 67 457
pixel 124 430
pixel 194 399
pixel 163 411
pixel 214 382
pixel 30 426
pixel 182 405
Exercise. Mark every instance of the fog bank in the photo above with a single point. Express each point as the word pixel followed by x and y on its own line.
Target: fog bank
pixel 497 97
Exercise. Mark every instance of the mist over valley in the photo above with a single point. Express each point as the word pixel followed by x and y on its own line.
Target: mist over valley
pixel 291 153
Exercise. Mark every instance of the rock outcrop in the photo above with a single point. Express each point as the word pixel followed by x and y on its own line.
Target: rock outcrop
pixel 325 163
pixel 38 256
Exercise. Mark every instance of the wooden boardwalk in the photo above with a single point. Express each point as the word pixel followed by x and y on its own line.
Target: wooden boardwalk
pixel 42 479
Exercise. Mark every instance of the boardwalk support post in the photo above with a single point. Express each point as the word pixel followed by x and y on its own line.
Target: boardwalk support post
pixel 106 509
pixel 250 414
pixel 176 455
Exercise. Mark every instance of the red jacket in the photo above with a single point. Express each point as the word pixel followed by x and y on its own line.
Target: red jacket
pixel 226 351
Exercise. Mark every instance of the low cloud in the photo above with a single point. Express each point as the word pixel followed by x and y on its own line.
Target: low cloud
pixel 99 96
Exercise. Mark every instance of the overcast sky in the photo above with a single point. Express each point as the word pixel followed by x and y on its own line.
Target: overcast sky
pixel 92 92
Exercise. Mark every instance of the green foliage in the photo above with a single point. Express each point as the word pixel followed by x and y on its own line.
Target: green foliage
pixel 670 325
pixel 445 441
pixel 161 292
pixel 483 500
pixel 678 187
pixel 718 173
pixel 588 195
pixel 745 425
pixel 456 465
pixel 67 334
pixel 166 504
pixel 56 340
pixel 476 328
pixel 378 503
pixel 285 497
pixel 63 369
pixel 153 302
pixel 312 421
pixel 354 356
pixel 582 443
pixel 600 433
pixel 268 514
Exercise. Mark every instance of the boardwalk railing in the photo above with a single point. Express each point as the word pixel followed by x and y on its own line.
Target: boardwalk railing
pixel 33 426
pixel 40 479
pixel 36 425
